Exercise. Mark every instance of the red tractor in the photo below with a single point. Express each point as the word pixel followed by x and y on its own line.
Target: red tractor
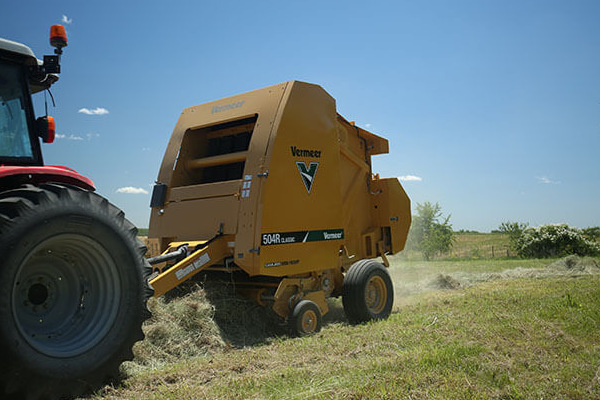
pixel 73 278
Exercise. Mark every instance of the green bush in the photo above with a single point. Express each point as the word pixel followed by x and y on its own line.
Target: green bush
pixel 514 230
pixel 430 233
pixel 592 233
pixel 555 241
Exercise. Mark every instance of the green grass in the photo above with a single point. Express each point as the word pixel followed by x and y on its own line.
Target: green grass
pixel 508 337
pixel 481 245
pixel 471 246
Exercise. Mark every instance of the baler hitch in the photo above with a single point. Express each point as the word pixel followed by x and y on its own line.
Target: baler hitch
pixel 178 255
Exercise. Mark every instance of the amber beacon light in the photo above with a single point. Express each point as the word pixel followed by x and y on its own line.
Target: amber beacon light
pixel 58 37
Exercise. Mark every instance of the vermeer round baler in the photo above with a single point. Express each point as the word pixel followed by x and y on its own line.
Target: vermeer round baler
pixel 276 189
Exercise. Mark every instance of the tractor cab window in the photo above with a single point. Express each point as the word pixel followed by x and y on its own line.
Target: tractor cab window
pixel 15 141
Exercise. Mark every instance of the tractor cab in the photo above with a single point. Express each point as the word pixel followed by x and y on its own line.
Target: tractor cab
pixel 18 144
pixel 22 74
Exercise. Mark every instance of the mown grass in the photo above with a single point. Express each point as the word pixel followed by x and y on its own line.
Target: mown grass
pixel 517 338
pixel 415 277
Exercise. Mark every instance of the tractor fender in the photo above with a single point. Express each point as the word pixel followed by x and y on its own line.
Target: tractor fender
pixel 45 174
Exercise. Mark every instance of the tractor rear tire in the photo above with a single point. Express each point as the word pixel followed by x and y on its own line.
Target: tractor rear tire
pixel 73 291
pixel 367 292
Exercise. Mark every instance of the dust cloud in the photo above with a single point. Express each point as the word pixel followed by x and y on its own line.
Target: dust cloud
pixel 412 280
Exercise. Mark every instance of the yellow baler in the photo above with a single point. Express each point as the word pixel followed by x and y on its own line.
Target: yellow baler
pixel 276 188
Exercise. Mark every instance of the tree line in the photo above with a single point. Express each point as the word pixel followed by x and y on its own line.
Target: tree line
pixel 431 234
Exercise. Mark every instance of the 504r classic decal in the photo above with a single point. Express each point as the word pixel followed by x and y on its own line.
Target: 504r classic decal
pixel 269 239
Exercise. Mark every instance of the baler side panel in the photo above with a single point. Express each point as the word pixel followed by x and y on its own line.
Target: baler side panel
pixel 392 209
pixel 354 170
pixel 247 244
pixel 302 229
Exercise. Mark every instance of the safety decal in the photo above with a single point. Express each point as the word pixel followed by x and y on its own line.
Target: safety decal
pixel 246 184
pixel 269 239
pixel 281 263
pixel 307 173
pixel 182 273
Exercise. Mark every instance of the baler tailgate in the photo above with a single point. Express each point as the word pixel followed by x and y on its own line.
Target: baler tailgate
pixel 213 253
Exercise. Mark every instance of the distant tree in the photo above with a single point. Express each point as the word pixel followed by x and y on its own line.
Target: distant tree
pixel 514 230
pixel 467 232
pixel 555 241
pixel 431 233
pixel 592 233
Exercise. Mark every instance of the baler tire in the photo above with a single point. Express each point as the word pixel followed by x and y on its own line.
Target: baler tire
pixel 367 292
pixel 73 291
pixel 305 319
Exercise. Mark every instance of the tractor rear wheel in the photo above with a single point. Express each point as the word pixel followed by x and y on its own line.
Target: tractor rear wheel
pixel 73 291
pixel 367 292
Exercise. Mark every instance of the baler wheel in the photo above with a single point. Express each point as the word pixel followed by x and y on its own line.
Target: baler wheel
pixel 305 319
pixel 73 291
pixel 367 292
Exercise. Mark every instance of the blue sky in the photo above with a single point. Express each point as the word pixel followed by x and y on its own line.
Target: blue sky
pixel 492 108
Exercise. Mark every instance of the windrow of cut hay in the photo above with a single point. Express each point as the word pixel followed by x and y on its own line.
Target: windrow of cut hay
pixel 199 319
pixel 413 279
pixel 571 266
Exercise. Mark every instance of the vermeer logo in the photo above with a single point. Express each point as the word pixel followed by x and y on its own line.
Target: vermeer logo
pixel 217 109
pixel 307 174
pixel 296 152
pixel 333 235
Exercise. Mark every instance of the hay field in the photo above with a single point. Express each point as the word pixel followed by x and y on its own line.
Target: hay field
pixel 481 329
pixel 478 328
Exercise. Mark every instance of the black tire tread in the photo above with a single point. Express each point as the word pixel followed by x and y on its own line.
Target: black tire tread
pixel 353 289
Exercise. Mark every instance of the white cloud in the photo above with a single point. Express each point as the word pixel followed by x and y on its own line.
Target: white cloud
pixel 546 181
pixel 410 178
pixel 95 111
pixel 66 20
pixel 132 190
pixel 70 137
